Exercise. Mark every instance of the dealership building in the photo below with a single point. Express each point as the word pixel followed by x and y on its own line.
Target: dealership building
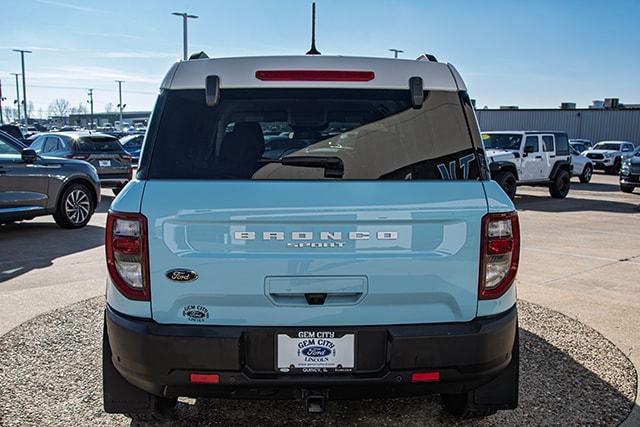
pixel 600 122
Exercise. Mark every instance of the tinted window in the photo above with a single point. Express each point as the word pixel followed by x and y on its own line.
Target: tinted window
pixel 50 144
pixel 97 143
pixel 311 134
pixel 38 143
pixel 7 149
pixel 502 141
pixel 547 143
pixel 531 144
pixel 607 146
pixel 562 144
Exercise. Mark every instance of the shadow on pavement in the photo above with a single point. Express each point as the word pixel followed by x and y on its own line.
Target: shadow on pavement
pixel 27 245
pixel 573 204
pixel 554 390
pixel 595 186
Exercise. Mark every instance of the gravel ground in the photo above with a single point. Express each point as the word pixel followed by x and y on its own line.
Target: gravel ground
pixel 570 375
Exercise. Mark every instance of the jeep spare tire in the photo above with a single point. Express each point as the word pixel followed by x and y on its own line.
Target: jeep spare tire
pixel 559 188
pixel 507 181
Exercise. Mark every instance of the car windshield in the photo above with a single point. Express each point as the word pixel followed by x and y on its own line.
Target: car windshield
pixel 97 143
pixel 311 134
pixel 504 141
pixel 607 146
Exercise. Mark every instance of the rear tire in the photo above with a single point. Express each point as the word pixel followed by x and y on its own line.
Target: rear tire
pixel 626 188
pixel 587 174
pixel 560 186
pixel 75 207
pixel 507 181
pixel 615 169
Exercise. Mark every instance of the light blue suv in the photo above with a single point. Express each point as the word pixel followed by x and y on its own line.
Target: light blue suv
pixel 367 254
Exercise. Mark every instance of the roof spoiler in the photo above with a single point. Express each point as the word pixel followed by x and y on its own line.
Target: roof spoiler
pixel 427 57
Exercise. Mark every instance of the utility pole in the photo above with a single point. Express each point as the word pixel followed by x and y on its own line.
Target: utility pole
pixel 120 105
pixel 185 16
pixel 396 52
pixel 90 101
pixel 1 99
pixel 24 85
pixel 17 101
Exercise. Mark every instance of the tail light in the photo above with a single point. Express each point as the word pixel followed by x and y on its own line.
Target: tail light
pixel 500 254
pixel 77 156
pixel 127 254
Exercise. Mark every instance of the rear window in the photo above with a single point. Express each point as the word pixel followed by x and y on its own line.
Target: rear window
pixel 310 134
pixel 97 143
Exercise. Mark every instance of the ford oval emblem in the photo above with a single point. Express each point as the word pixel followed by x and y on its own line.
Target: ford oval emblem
pixel 316 351
pixel 181 275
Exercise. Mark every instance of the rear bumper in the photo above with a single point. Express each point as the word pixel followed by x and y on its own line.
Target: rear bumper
pixel 159 358
pixel 114 180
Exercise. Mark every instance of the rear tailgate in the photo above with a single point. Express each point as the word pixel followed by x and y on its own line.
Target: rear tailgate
pixel 375 252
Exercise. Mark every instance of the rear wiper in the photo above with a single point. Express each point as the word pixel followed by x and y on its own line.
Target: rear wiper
pixel 333 166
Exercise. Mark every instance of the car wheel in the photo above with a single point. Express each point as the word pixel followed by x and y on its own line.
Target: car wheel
pixel 75 207
pixel 626 188
pixel 507 181
pixel 559 188
pixel 615 170
pixel 586 175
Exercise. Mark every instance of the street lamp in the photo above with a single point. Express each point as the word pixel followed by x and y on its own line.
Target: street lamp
pixel 396 52
pixel 24 85
pixel 185 16
pixel 17 101
pixel 120 105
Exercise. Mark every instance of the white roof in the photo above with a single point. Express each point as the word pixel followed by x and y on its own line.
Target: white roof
pixel 241 72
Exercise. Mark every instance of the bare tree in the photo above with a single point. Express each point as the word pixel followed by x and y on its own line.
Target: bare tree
pixel 109 108
pixel 59 107
pixel 80 109
pixel 30 108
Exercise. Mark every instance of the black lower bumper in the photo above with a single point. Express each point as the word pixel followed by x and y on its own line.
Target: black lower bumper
pixel 630 180
pixel 159 358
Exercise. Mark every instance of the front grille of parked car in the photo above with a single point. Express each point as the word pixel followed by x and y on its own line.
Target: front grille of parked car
pixel 595 156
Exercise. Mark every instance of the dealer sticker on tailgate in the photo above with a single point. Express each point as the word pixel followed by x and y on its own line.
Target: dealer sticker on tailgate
pixel 316 352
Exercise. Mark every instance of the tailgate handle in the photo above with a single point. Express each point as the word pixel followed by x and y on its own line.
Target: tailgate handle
pixel 314 290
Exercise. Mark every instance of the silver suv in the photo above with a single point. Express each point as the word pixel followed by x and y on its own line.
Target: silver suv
pixel 104 152
pixel 31 186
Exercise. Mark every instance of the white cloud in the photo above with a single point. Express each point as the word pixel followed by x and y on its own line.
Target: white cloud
pixel 89 75
pixel 71 6
pixel 138 55
pixel 112 35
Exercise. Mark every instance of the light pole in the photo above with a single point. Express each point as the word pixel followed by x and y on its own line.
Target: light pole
pixel 90 101
pixel 17 94
pixel 396 52
pixel 24 85
pixel 120 105
pixel 185 16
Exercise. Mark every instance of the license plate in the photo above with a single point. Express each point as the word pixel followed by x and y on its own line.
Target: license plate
pixel 318 352
pixel 104 163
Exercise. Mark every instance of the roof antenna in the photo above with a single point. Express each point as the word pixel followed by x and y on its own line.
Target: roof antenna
pixel 313 50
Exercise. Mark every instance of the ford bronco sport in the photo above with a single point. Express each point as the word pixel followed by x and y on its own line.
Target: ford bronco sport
pixel 529 158
pixel 311 227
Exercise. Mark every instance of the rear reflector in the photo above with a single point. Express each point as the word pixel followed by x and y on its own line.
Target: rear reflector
pixel 315 75
pixel 424 377
pixel 204 378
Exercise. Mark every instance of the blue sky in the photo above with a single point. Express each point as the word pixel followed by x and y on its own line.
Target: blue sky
pixel 532 54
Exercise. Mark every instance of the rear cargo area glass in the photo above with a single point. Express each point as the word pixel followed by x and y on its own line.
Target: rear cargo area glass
pixel 311 134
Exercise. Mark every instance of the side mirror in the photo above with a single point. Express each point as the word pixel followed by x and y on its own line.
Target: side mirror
pixel 29 155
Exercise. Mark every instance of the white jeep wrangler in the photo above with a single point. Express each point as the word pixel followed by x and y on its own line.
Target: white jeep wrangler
pixel 529 158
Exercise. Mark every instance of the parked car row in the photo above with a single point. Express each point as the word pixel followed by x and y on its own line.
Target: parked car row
pixel 539 158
